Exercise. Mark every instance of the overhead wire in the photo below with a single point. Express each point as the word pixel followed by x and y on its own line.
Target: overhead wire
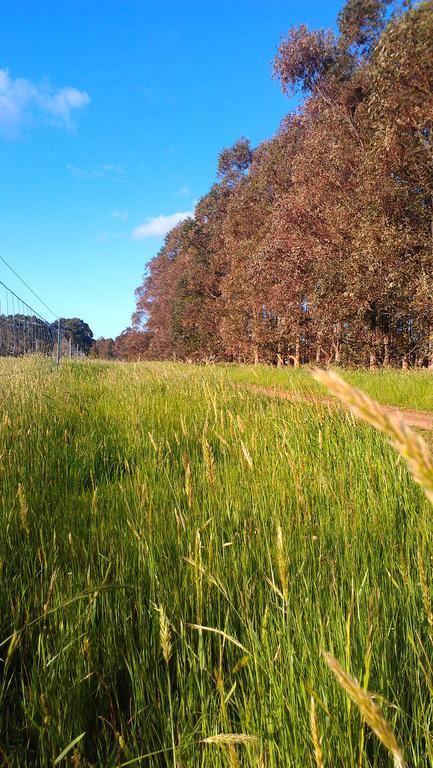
pixel 23 302
pixel 29 288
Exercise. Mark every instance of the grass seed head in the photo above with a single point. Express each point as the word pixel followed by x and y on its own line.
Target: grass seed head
pixel 410 445
pixel 315 738
pixel 246 454
pixel 164 635
pixel 23 509
pixel 11 649
pixel 368 708
pixel 425 591
pixel 229 739
pixel 209 462
pixel 240 423
pixel 282 563
pixel 188 480
pixel 50 592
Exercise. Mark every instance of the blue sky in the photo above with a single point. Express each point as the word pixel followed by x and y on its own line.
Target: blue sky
pixel 112 114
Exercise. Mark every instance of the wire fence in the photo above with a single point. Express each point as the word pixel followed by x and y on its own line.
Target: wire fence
pixel 23 331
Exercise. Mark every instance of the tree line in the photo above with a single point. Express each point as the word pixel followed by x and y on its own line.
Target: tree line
pixel 22 334
pixel 317 245
pixel 131 344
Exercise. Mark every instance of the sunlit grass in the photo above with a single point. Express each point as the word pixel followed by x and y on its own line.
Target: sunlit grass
pixel 403 389
pixel 176 554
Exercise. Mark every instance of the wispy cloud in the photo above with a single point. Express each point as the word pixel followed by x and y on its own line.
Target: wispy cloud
pixel 98 172
pixel 103 236
pixel 119 214
pixel 184 191
pixel 159 225
pixel 23 103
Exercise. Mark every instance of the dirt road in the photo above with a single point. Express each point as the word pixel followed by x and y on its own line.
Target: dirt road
pixel 418 419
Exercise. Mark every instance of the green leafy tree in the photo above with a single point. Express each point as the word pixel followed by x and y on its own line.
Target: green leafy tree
pixel 78 332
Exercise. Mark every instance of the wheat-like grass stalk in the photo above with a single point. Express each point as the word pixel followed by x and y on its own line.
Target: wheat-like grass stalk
pixel 209 462
pixel 282 563
pixel 410 445
pixel 153 441
pixel 166 647
pixel 50 592
pixel 425 591
pixel 188 480
pixel 231 748
pixel 315 738
pixel 183 425
pixel 23 508
pixel 369 710
pixel 95 501
pixel 246 454
pixel 224 635
pixel 198 576
pixel 366 676
pixel 11 650
pixel 164 635
pixel 229 739
pixel 240 423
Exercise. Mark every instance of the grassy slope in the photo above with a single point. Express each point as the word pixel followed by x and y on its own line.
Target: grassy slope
pixel 143 486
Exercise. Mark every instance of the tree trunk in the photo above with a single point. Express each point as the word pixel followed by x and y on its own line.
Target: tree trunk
pixel 256 356
pixel 337 354
pixel 404 363
pixel 386 361
pixel 279 355
pixel 430 348
pixel 373 360
pixel 318 349
pixel 297 355
pixel 430 339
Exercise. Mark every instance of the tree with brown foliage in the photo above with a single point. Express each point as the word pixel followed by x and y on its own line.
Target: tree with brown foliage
pixel 102 349
pixel 317 245
pixel 132 345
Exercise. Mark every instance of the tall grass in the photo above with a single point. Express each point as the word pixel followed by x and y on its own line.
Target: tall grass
pixel 177 552
pixel 403 389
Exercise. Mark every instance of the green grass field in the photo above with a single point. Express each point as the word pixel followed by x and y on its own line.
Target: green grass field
pixel 177 551
pixel 403 389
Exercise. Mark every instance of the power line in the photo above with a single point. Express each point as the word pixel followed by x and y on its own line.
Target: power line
pixel 30 289
pixel 24 302
pixel 19 335
pixel 23 330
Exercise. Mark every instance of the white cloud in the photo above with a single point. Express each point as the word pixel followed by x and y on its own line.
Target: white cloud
pixel 103 236
pixel 160 225
pixel 98 172
pixel 25 103
pixel 119 214
pixel 184 191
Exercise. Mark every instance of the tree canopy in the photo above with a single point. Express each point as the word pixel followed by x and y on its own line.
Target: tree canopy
pixel 78 332
pixel 317 245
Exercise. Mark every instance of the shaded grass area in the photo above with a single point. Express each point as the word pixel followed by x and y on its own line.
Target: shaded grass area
pixel 403 389
pixel 132 492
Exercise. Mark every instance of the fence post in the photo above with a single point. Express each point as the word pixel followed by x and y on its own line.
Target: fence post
pixel 59 339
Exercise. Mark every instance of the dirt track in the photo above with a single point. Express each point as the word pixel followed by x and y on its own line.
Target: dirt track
pixel 419 419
